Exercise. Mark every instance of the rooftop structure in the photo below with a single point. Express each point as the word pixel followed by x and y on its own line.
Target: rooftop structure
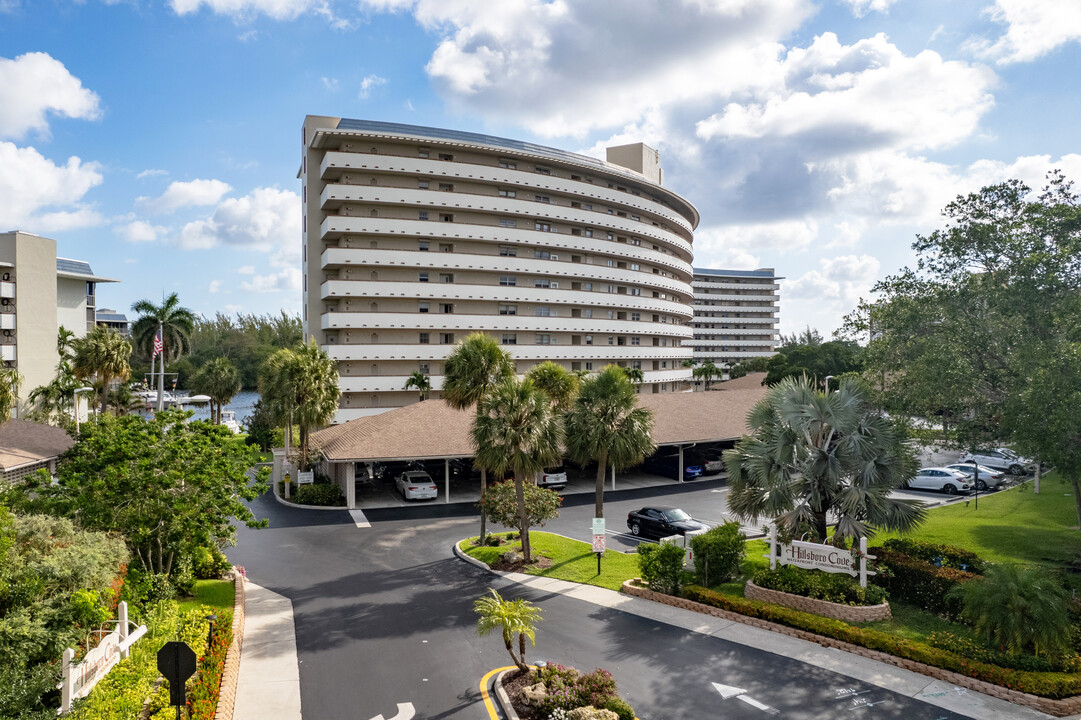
pixel 26 447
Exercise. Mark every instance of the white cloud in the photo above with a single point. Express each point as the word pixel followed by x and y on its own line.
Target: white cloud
pixel 139 231
pixel 35 85
pixel 861 7
pixel 287 280
pixel 838 283
pixel 740 247
pixel 330 84
pixel 369 82
pixel 213 287
pixel 266 219
pixel 38 195
pixel 277 9
pixel 246 270
pixel 151 172
pixel 1034 28
pixel 185 194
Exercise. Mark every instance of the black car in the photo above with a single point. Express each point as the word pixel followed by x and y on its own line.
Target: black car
pixel 662 521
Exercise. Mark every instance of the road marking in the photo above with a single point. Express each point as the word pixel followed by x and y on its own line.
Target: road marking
pixel 405 712
pixel 755 704
pixel 728 691
pixel 359 519
pixel 484 691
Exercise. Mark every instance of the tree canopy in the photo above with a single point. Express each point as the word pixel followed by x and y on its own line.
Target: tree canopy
pixel 816 361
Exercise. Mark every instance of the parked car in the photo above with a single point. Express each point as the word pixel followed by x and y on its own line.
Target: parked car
pixel 1030 465
pixel 416 485
pixel 554 478
pixel 943 479
pixel 710 461
pixel 986 477
pixel 662 521
pixel 997 460
pixel 668 466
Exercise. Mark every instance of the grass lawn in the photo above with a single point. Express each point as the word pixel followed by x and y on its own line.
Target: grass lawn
pixel 218 594
pixel 912 623
pixel 571 560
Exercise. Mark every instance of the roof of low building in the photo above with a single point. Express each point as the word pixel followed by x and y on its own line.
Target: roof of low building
pixel 433 429
pixel 750 380
pixel 23 442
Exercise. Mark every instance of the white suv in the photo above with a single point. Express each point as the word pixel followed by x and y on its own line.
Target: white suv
pixel 554 478
pixel 999 459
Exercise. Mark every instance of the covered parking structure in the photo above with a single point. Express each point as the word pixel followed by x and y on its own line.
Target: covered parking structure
pixel 432 430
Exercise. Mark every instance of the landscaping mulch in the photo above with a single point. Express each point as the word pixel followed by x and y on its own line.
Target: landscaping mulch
pixel 514 682
pixel 540 563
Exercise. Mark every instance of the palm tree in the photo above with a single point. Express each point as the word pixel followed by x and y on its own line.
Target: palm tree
pixel 510 616
pixel 1017 608
pixel 10 380
pixel 706 372
pixel 101 356
pixel 50 402
pixel 421 382
pixel 220 380
pixel 634 374
pixel 607 426
pixel 473 368
pixel 810 454
pixel 176 324
pixel 559 384
pixel 517 431
pixel 301 386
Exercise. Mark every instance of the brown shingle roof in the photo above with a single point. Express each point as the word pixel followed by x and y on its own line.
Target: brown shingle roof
pixel 750 380
pixel 23 442
pixel 433 429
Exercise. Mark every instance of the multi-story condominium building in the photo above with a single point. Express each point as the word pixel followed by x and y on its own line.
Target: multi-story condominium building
pixel 735 314
pixel 116 320
pixel 415 237
pixel 39 292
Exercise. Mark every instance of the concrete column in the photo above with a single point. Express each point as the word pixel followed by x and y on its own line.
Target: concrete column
pixel 349 476
pixel 680 476
pixel 276 468
pixel 613 477
pixel 446 480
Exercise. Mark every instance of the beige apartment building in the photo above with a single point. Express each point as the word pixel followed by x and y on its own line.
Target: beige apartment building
pixel 39 292
pixel 415 237
pixel 735 314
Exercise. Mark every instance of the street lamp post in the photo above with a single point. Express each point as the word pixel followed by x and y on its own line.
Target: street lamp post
pixel 76 399
pixel 828 378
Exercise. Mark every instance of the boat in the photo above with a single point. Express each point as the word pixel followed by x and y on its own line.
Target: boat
pixel 228 419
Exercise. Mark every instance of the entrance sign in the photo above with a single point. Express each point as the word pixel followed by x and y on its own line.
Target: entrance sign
pixel 815 556
pixel 78 680
pixel 306 478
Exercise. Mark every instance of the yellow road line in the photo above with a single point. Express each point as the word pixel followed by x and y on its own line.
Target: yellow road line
pixel 484 691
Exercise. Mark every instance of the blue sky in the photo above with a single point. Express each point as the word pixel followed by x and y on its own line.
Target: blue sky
pixel 159 139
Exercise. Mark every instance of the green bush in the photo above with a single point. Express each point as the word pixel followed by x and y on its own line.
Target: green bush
pixel 566 689
pixel 1050 685
pixel 918 582
pixel 620 707
pixel 323 495
pixel 206 685
pixel 944 555
pixel 967 647
pixel 661 567
pixel 718 553
pixel 210 563
pixel 142 590
pixel 596 688
pixel 819 585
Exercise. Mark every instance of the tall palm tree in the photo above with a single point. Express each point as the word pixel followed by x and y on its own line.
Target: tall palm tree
pixel 510 616
pixel 557 382
pixel 707 372
pixel 606 425
pixel 517 431
pixel 101 356
pixel 10 380
pixel 301 386
pixel 50 402
pixel 475 366
pixel 811 454
pixel 176 323
pixel 220 380
pixel 421 382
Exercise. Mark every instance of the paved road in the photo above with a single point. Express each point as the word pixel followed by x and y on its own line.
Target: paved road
pixel 384 616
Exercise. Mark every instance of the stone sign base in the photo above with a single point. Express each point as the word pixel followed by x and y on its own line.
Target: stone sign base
pixel 847 613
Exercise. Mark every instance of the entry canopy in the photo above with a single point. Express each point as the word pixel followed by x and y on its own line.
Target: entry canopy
pixel 434 430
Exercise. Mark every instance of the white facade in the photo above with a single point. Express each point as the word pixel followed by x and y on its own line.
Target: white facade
pixel 735 314
pixel 416 237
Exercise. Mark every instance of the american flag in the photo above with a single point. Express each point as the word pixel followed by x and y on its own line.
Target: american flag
pixel 157 345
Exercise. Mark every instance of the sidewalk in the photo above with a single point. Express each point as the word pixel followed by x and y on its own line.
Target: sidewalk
pixel 904 682
pixel 269 681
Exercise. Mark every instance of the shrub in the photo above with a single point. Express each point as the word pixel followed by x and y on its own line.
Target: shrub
pixel 819 585
pixel 1051 685
pixel 918 582
pixel 142 589
pixel 210 563
pixel 620 707
pixel 974 650
pixel 204 688
pixel 323 495
pixel 661 567
pixel 943 555
pixel 566 689
pixel 718 553
pixel 596 688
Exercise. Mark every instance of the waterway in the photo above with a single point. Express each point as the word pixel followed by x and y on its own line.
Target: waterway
pixel 243 405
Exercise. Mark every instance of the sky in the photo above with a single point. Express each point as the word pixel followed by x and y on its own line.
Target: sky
pixel 160 139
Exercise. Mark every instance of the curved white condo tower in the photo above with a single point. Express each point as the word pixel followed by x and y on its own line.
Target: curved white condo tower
pixel 415 237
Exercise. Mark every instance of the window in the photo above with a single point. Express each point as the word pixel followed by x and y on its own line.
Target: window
pixel 508 280
pixel 635 266
pixel 422 245
pixel 422 307
pixel 422 152
pixel 612 237
pixel 589 366
pixel 508 164
pixel 636 241
pixel 621 341
pixel 542 282
pixel 447 157
pixel 542 254
pixel 508 251
pixel 589 339
pixel 422 184
pixel 544 339
pixel 446 338
pixel 611 340
pixel 543 311
pixel 507 222
pixel 424 338
pixel 610 263
pixel 635 217
pixel 504 192
pixel 542 226
pixel 636 341
pixel 446 308
pixel 587 286
pixel 508 339
pixel 423 277
pixel 589 232
pixel 587 313
pixel 588 206
pixel 425 368
pixel 636 291
pixel 542 199
pixel 542 170
pixel 446 217
pixel 508 309
pixel 446 277
pixel 422 215
pixel 446 247
pixel 636 316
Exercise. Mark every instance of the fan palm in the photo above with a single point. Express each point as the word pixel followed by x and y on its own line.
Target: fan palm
pixel 606 425
pixel 516 431
pixel 220 380
pixel 176 324
pixel 473 368
pixel 811 454
pixel 301 386
pixel 510 617
pixel 421 382
pixel 635 375
pixel 102 356
pixel 557 382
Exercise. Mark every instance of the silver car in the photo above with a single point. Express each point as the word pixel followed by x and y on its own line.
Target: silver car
pixel 942 479
pixel 986 477
pixel 997 460
pixel 416 485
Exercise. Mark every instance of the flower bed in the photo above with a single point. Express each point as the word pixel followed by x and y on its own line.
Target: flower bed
pixel 825 608
pixel 558 691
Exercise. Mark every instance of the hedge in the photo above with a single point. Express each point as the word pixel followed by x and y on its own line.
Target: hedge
pixel 946 555
pixel 1049 685
pixel 815 584
pixel 324 495
pixel 918 582
pixel 205 687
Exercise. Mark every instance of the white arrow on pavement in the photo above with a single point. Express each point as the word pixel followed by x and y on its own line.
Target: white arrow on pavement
pixel 405 712
pixel 727 691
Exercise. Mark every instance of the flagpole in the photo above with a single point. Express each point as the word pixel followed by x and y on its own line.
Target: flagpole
pixel 161 376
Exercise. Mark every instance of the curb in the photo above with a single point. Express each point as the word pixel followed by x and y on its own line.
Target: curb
pixel 231 671
pixel 502 698
pixel 473 561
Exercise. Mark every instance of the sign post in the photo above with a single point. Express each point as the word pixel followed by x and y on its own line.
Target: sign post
pixel 77 680
pixel 305 477
pixel 176 663
pixel 599 540
pixel 815 556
